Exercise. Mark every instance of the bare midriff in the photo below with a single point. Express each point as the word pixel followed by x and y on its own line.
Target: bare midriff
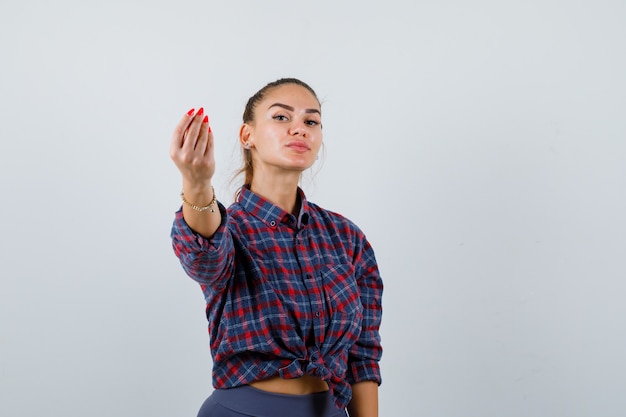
pixel 297 386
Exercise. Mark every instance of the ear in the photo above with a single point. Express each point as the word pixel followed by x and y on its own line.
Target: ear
pixel 245 133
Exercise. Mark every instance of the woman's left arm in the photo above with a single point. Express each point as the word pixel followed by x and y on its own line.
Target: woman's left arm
pixel 364 401
pixel 364 355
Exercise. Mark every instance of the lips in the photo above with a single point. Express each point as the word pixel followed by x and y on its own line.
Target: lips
pixel 298 145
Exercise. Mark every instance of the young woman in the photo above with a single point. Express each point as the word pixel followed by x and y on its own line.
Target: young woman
pixel 293 292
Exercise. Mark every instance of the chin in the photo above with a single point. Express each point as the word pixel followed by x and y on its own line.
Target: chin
pixel 301 164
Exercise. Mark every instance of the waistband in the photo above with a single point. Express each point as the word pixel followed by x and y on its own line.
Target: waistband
pixel 248 400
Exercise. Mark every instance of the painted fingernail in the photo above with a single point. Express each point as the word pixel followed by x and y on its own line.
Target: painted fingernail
pixel 210 129
pixel 190 112
pixel 206 119
pixel 200 111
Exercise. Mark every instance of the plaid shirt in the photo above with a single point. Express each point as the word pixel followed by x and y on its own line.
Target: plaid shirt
pixel 286 295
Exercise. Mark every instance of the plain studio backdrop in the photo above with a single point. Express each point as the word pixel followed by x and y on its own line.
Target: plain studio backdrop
pixel 480 146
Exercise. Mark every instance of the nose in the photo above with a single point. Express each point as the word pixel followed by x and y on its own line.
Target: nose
pixel 298 129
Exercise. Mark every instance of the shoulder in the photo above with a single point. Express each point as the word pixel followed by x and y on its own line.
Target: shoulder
pixel 237 216
pixel 344 233
pixel 338 220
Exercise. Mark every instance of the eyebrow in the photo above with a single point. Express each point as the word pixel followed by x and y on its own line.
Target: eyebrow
pixel 286 107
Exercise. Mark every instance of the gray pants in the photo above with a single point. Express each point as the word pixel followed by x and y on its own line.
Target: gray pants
pixel 251 402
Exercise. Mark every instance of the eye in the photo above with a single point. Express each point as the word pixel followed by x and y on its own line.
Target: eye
pixel 312 122
pixel 280 117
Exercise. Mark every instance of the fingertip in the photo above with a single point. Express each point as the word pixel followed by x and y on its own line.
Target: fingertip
pixel 190 112
pixel 206 119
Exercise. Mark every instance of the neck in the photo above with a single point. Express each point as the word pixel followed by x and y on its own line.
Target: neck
pixel 281 190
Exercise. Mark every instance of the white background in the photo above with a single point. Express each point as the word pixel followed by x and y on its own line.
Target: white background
pixel 480 145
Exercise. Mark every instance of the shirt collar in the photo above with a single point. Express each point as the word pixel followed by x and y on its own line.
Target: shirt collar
pixel 271 214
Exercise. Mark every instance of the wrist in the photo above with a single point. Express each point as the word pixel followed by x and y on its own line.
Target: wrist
pixel 197 201
pixel 199 189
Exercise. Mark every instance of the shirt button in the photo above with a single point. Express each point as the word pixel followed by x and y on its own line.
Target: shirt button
pixel 309 276
pixel 272 223
pixel 317 314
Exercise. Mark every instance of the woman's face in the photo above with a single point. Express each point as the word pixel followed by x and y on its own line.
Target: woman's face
pixel 286 133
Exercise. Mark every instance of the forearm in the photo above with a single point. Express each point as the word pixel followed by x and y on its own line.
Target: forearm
pixel 204 222
pixel 364 401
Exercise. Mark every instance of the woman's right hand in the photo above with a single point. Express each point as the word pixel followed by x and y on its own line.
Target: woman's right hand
pixel 191 150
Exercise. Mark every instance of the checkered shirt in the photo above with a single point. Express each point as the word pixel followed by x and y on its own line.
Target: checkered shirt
pixel 286 295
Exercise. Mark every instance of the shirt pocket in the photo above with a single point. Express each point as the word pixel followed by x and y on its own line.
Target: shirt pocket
pixel 343 302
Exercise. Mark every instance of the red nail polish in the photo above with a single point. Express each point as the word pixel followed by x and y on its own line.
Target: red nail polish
pixel 206 119
pixel 210 129
pixel 190 112
pixel 200 111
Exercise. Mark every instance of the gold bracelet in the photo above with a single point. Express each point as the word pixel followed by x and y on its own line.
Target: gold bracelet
pixel 210 206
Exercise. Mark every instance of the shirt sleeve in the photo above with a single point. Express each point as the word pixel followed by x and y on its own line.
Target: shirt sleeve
pixel 365 354
pixel 207 261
